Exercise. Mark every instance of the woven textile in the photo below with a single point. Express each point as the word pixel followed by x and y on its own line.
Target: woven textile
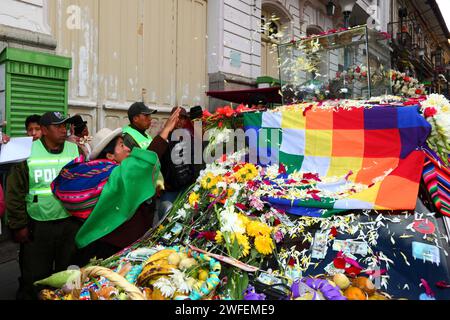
pixel 437 179
pixel 80 184
pixel 377 147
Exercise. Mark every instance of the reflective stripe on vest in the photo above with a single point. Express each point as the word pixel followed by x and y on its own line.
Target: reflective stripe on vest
pixel 43 168
pixel 142 141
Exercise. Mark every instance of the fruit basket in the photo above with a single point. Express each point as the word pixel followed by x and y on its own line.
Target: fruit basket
pixel 179 273
pixel 175 273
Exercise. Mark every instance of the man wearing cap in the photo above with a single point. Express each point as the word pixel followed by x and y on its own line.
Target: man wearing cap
pixel 134 135
pixel 38 221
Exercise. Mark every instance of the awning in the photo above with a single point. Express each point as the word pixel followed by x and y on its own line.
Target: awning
pixel 271 95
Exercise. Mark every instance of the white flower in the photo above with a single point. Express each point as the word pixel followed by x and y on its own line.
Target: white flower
pixel 230 221
pixel 181 214
pixel 166 287
pixel 180 280
pixel 222 185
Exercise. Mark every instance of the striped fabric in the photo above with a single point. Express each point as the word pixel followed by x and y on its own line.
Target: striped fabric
pixel 80 184
pixel 437 179
pixel 380 146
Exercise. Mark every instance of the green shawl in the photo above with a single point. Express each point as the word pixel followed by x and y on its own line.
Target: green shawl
pixel 132 183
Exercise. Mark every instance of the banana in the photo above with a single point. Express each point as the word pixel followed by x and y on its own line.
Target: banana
pixel 163 254
pixel 154 272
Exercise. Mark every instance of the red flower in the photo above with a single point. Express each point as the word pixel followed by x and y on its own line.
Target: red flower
pixel 252 184
pixel 206 114
pixel 430 112
pixel 242 108
pixel 225 111
pixel 419 91
pixel 334 232
pixel 291 181
pixel 220 124
pixel 192 234
pixel 394 76
pixel 353 271
pixel 241 206
pixel 364 74
pixel 407 79
pixel 224 158
pixel 358 70
pixel 276 222
pixel 291 262
pixel 339 263
pixel 312 176
pixel 282 169
pixel 208 235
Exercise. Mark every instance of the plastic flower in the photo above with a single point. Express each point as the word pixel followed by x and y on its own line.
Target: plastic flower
pixel 257 228
pixel 264 245
pixel 209 181
pixel 194 199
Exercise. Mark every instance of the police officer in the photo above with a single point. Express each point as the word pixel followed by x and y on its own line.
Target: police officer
pixel 134 135
pixel 45 231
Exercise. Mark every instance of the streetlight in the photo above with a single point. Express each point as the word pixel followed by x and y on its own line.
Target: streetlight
pixel 347 8
pixel 331 8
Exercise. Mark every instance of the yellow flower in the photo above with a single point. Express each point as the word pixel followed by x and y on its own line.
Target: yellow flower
pixel 251 170
pixel 219 237
pixel 209 181
pixel 244 243
pixel 193 199
pixel 264 245
pixel 257 228
pixel 230 193
pixel 247 173
pixel 244 220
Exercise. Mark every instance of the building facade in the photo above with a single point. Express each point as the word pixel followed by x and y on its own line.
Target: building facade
pixel 421 43
pixel 171 52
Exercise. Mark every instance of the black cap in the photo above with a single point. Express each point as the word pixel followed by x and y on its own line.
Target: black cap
pixel 138 108
pixel 53 118
pixel 196 112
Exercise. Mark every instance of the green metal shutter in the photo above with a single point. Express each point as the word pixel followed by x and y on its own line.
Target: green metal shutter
pixel 35 83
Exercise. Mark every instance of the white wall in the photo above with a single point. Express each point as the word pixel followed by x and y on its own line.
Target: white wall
pixel 25 14
pixel 234 32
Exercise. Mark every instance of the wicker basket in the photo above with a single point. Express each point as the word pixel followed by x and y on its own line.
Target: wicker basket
pixel 114 278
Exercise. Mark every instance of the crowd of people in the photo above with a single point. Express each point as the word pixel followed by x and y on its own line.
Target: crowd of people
pixel 78 198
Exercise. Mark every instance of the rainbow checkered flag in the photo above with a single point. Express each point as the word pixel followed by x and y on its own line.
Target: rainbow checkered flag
pixel 380 146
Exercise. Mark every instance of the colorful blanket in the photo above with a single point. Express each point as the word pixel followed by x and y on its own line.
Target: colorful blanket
pixel 80 183
pixel 377 148
pixel 437 179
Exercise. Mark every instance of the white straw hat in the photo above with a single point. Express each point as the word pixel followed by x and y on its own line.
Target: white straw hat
pixel 101 140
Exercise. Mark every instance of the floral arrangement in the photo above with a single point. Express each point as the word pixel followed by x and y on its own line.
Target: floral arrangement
pixel 436 109
pixel 354 73
pixel 405 85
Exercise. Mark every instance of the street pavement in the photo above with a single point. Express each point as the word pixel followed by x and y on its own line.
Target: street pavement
pixel 9 271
